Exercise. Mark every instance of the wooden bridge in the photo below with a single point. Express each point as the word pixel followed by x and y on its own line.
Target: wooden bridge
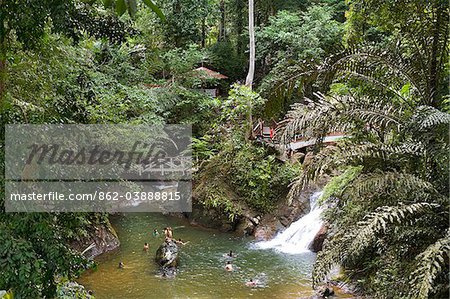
pixel 331 138
pixel 268 135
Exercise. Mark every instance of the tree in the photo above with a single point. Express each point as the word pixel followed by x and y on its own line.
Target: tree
pixel 251 33
pixel 187 21
pixel 418 26
pixel 27 21
pixel 121 6
pixel 288 46
pixel 251 68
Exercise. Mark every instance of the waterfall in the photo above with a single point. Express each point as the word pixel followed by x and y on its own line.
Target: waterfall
pixel 297 237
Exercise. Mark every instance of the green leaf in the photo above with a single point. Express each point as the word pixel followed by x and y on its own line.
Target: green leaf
pixel 121 7
pixel 107 3
pixel 155 9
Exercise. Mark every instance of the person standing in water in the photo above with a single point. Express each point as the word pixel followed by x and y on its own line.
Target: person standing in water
pixel 145 246
pixel 155 233
pixel 168 233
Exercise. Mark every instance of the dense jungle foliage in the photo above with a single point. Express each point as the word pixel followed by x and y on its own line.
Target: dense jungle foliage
pixel 376 70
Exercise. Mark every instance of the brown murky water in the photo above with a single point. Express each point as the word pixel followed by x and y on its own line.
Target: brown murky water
pixel 201 273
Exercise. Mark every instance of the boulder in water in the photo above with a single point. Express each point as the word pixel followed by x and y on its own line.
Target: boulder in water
pixel 317 243
pixel 167 254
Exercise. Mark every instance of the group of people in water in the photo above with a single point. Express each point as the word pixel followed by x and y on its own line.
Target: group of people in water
pixel 229 268
pixel 168 234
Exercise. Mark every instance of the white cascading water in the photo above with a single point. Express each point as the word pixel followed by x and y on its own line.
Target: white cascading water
pixel 297 237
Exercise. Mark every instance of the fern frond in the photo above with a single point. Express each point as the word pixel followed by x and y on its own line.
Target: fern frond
pixel 384 69
pixel 393 183
pixel 349 244
pixel 333 253
pixel 326 114
pixel 356 154
pixel 427 117
pixel 377 222
pixel 430 263
pixel 378 115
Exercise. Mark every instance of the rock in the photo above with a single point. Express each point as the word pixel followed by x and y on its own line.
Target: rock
pixel 268 228
pixel 167 255
pixel 347 288
pixel 210 218
pixel 325 292
pixel 285 221
pixel 317 242
pixel 169 272
pixel 308 159
pixel 256 220
pixel 247 224
pixel 246 227
pixel 100 239
pixel 283 216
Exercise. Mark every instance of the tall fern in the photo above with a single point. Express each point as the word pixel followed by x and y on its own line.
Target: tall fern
pixel 400 195
pixel 430 263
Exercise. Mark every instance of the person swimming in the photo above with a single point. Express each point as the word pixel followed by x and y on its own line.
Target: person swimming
pixel 229 266
pixel 230 254
pixel 121 265
pixel 181 242
pixel 145 246
pixel 250 283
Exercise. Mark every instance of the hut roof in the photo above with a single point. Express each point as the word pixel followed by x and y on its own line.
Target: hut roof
pixel 210 73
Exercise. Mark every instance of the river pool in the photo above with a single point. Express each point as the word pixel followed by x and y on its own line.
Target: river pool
pixel 201 272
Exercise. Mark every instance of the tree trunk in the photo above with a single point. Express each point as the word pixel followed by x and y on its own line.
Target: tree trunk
pixel 176 6
pixel 251 33
pixel 433 71
pixel 3 35
pixel 222 21
pixel 239 27
pixel 251 68
pixel 2 76
pixel 203 32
